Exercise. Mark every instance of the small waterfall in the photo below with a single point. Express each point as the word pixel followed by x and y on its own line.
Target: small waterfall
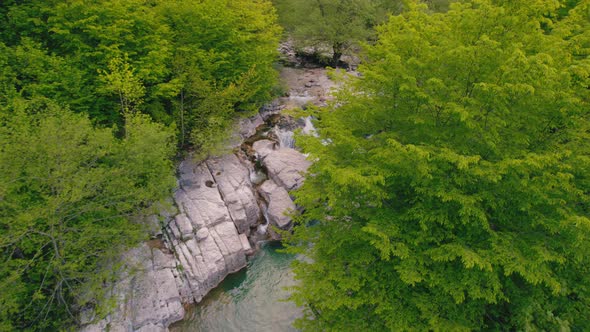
pixel 286 139
pixel 299 100
pixel 257 177
pixel 309 128
pixel 262 228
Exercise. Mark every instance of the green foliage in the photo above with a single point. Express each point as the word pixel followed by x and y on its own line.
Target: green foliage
pixel 335 24
pixel 68 194
pixel 454 192
pixel 110 55
pixel 224 51
pixel 338 25
pixel 74 185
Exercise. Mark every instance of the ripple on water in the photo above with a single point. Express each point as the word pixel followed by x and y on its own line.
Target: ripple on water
pixel 250 300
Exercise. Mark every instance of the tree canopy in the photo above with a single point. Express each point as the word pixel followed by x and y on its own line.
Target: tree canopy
pixel 450 189
pixel 95 98
pixel 338 25
pixel 195 64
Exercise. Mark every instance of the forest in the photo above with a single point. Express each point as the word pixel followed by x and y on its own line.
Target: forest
pixel 450 185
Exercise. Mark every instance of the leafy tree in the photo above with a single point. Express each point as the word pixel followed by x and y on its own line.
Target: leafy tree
pixel 224 55
pixel 227 46
pixel 69 193
pixel 338 25
pixel 454 194
pixel 120 80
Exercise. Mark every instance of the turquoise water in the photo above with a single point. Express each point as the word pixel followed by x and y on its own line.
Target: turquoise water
pixel 250 300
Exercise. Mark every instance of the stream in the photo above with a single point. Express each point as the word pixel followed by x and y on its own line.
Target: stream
pixel 255 298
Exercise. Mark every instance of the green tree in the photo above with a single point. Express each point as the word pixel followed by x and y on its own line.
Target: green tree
pixel 454 192
pixel 339 25
pixel 223 60
pixel 336 24
pixel 69 195
pixel 120 80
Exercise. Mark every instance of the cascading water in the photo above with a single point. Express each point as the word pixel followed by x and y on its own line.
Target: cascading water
pixel 263 227
pixel 285 136
pixel 309 128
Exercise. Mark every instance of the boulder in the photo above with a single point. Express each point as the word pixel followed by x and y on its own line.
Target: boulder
pixel 233 182
pixel 247 126
pixel 279 204
pixel 198 197
pixel 286 167
pixel 263 147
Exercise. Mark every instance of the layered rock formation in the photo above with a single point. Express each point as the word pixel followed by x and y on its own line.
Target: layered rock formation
pixel 218 207
pixel 220 203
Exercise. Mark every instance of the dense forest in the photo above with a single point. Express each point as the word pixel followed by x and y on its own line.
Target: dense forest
pixel 96 97
pixel 450 188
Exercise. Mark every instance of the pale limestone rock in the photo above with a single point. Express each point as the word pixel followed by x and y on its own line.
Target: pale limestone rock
pixel 184 227
pixel 264 147
pixel 246 244
pixel 286 167
pixel 202 234
pixel 233 181
pixel 279 204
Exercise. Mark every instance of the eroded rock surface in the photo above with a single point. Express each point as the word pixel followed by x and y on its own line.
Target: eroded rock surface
pixel 263 148
pixel 279 204
pixel 147 300
pixel 286 167
pixel 205 246
pixel 233 181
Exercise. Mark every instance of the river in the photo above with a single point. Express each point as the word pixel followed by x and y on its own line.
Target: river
pixel 254 299
pixel 250 300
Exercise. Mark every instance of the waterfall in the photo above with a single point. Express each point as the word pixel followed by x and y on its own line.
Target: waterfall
pixel 309 128
pixel 262 228
pixel 286 139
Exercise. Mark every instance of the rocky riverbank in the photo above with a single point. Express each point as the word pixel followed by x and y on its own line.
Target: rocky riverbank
pixel 225 205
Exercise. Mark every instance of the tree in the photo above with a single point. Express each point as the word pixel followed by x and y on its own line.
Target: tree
pixel 120 80
pixel 69 195
pixel 338 25
pixel 454 192
pixel 223 60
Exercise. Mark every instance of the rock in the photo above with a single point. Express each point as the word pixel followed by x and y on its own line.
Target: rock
pixel 273 108
pixel 199 197
pixel 247 126
pixel 202 234
pixel 246 244
pixel 264 147
pixel 147 299
pixel 279 204
pixel 233 180
pixel 286 167
pixel 152 328
pixel 184 227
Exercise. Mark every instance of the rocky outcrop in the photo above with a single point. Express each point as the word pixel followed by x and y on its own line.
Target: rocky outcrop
pixel 147 299
pixel 279 203
pixel 204 247
pixel 233 181
pixel 263 148
pixel 218 206
pixel 286 167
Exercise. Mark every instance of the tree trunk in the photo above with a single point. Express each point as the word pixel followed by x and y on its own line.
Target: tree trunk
pixel 337 53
